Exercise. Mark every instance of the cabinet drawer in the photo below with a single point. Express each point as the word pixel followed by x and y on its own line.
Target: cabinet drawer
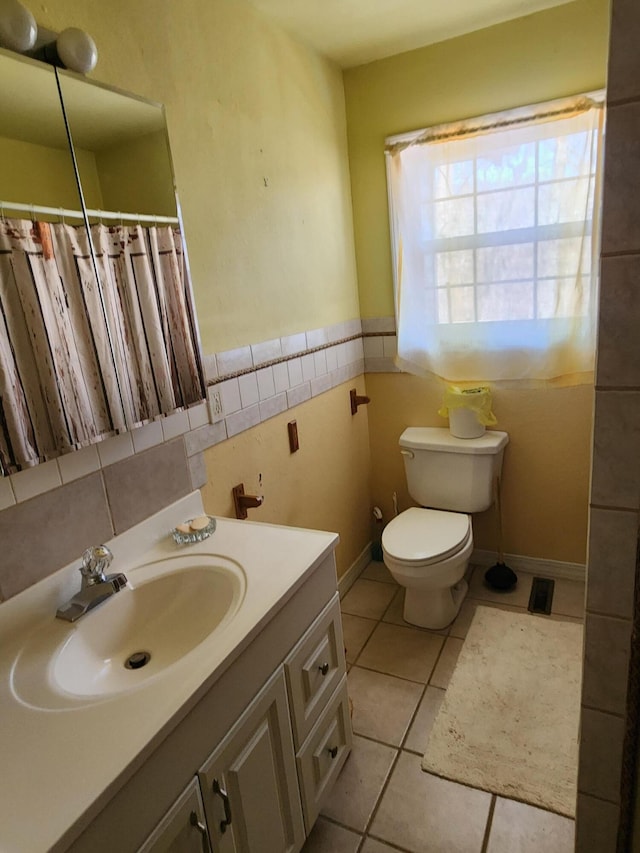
pixel 314 668
pixel 323 754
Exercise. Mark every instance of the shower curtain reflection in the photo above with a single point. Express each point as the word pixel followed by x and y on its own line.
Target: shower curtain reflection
pixel 66 378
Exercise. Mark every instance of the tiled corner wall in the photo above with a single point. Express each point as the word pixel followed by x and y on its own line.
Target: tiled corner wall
pixel 615 485
pixel 69 503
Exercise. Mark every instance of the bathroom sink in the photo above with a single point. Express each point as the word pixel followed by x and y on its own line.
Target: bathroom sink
pixel 168 609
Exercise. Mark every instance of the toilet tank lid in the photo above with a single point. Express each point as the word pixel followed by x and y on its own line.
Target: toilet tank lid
pixel 439 438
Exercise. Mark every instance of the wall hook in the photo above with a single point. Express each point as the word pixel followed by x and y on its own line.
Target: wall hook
pixel 357 400
pixel 243 502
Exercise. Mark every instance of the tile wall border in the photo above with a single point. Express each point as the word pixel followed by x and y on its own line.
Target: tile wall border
pixel 277 375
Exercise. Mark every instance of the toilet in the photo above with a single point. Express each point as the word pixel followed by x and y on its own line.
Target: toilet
pixel 427 548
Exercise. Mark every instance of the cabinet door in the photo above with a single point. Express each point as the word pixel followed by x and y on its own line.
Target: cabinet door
pixel 249 784
pixel 183 828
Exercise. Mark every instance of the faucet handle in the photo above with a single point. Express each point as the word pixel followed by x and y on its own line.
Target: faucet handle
pixel 95 561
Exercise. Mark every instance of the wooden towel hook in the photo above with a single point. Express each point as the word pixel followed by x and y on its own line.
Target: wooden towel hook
pixel 357 400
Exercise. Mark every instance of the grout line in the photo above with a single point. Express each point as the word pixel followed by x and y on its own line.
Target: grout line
pixel 487 829
pixel 383 791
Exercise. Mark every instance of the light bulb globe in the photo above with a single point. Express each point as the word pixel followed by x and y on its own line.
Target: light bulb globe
pixel 18 28
pixel 77 50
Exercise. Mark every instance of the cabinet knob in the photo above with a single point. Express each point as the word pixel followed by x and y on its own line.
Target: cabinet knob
pixel 324 668
pixel 333 751
pixel 220 791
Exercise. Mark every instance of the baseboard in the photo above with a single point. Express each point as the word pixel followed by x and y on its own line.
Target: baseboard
pixel 533 565
pixel 355 570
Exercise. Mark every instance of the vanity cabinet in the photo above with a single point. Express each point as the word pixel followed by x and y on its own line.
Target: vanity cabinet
pixel 271 733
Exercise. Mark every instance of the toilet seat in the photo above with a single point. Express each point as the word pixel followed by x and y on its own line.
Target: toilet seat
pixel 425 536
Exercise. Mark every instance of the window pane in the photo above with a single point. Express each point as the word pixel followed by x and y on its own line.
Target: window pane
pixel 443 307
pixel 506 210
pixel 505 301
pixel 565 156
pixel 562 297
pixel 454 218
pixel 561 257
pixel 454 268
pixel 564 201
pixel 505 263
pixel 454 179
pixel 508 167
pixel 462 305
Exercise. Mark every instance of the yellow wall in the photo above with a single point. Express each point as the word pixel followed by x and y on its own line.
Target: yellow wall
pixel 137 177
pixel 257 129
pixel 37 174
pixel 553 53
pixel 325 485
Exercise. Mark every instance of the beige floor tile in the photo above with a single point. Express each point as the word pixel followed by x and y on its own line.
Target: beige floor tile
pixel 421 726
pixel 464 618
pixel 371 845
pixel 519 828
pixel 359 784
pixel 382 704
pixel 421 812
pixel 327 837
pixel 405 652
pixel 394 614
pixel 568 598
pixel 518 597
pixel 368 598
pixel 376 571
pixel 446 663
pixel 356 631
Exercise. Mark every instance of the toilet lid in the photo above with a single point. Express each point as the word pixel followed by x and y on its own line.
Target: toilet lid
pixel 426 535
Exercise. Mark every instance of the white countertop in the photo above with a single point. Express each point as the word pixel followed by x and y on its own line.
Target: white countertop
pixel 57 762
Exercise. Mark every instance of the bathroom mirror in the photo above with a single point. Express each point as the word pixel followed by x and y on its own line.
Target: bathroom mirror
pixel 100 335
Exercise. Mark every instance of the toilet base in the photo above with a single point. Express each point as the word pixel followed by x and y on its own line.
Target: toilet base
pixel 434 608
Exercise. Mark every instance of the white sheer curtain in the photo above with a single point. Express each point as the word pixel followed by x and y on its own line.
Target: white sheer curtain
pixel 494 227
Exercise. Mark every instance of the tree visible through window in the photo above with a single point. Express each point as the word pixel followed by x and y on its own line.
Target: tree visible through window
pixel 492 225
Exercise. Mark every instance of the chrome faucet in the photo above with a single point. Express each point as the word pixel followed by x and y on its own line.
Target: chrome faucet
pixel 96 585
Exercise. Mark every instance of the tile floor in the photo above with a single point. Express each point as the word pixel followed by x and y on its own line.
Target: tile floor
pixel 383 801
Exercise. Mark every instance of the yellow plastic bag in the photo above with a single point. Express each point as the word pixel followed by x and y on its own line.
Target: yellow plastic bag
pixel 476 400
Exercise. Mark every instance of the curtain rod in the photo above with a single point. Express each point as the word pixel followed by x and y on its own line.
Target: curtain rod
pixel 496 121
pixel 78 214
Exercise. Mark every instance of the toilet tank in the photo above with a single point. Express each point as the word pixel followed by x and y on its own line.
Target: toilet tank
pixel 445 472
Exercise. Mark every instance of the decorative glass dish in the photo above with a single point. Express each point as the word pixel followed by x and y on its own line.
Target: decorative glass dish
pixel 194 530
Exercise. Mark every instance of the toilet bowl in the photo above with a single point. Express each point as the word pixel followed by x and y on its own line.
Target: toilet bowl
pixel 428 551
pixel 427 548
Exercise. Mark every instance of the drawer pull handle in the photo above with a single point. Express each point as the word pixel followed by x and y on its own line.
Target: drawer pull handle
pixel 217 789
pixel 202 829
pixel 324 668
pixel 333 751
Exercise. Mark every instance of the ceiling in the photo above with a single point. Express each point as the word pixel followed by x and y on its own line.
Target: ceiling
pixel 353 32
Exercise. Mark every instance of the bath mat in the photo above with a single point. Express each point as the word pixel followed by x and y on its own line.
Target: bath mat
pixel 509 720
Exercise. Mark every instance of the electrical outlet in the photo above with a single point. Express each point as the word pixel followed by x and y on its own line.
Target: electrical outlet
pixel 216 409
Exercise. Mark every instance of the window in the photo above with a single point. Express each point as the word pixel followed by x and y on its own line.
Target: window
pixel 492 223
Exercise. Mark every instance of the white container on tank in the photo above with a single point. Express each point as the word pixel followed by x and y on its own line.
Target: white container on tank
pixel 464 423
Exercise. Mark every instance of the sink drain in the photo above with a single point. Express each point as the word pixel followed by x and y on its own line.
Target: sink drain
pixel 137 660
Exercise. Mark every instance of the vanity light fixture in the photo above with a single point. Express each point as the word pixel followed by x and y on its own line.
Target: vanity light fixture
pixel 73 48
pixel 18 28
